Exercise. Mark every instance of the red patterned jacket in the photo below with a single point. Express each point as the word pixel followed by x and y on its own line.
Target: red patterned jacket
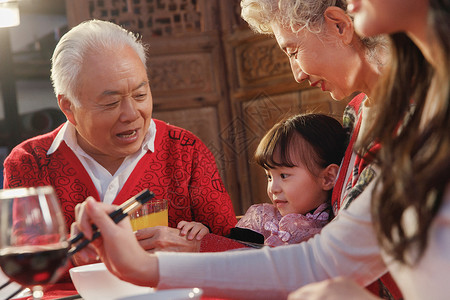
pixel 181 169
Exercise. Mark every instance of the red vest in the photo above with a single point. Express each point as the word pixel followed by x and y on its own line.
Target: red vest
pixel 181 169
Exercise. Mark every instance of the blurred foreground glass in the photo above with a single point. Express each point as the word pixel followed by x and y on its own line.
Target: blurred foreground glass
pixel 33 244
pixel 153 213
pixel 9 13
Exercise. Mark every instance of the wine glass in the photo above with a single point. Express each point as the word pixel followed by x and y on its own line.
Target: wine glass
pixel 33 242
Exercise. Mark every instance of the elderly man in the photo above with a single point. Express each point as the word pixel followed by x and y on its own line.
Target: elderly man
pixel 110 147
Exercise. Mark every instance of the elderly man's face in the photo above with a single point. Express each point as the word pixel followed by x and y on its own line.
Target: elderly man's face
pixel 116 105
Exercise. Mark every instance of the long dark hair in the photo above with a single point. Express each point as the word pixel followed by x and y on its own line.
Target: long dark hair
pixel 414 158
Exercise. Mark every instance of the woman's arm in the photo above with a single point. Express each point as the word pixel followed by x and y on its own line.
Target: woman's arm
pixel 345 247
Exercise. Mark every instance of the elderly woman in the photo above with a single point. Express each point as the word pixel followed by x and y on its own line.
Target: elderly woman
pixel 323 48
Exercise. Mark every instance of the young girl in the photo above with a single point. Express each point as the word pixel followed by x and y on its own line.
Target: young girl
pixel 301 157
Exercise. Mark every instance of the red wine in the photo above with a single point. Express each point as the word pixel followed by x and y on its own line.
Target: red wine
pixel 34 265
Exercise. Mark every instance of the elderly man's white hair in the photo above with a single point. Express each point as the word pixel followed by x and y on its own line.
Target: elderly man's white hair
pixel 71 50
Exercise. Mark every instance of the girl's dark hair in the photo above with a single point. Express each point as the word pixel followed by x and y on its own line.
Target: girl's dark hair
pixel 315 140
pixel 414 158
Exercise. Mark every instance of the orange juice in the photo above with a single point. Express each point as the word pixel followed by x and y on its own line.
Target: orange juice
pixel 153 219
pixel 153 213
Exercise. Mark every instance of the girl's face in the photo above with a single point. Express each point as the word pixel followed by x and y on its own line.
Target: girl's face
pixel 374 17
pixel 294 189
pixel 321 59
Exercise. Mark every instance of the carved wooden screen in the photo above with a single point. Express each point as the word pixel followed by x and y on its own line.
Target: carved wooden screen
pixel 150 17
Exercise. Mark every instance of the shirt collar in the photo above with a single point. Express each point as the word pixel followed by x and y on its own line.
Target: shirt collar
pixel 68 135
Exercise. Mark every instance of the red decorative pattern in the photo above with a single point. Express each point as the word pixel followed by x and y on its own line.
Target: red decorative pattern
pixel 181 169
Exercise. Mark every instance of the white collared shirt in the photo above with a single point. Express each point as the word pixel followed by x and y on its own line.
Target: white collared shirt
pixel 108 186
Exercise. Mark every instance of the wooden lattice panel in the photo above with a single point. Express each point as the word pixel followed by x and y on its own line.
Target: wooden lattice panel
pixel 261 61
pixel 190 73
pixel 150 17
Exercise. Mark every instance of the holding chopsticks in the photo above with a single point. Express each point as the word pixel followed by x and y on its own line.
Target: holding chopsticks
pixel 119 214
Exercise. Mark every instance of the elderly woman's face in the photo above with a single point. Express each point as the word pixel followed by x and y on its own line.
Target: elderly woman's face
pixel 322 60
pixel 116 104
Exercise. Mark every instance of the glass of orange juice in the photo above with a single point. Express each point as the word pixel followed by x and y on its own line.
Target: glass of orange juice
pixel 152 213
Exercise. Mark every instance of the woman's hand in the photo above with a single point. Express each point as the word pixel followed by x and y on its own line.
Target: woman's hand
pixel 88 255
pixel 117 246
pixel 332 289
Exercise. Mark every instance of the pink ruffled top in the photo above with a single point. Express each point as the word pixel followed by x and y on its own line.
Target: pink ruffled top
pixel 278 230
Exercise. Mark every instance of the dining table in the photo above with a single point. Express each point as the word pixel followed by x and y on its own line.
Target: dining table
pixel 209 243
pixel 66 291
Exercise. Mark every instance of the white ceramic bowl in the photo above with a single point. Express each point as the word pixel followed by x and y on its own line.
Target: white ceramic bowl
pixel 95 282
